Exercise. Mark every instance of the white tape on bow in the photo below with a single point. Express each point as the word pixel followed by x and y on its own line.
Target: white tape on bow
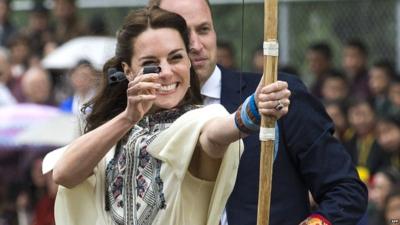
pixel 271 48
pixel 267 134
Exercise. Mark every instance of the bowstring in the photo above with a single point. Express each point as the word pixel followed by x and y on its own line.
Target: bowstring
pixel 240 81
pixel 241 64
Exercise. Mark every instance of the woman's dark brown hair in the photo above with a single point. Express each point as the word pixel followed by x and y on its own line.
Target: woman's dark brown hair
pixel 111 99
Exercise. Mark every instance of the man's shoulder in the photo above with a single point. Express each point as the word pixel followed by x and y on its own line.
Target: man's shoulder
pixel 293 81
pixel 236 73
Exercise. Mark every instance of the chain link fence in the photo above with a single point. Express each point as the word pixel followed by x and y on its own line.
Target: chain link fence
pixel 303 22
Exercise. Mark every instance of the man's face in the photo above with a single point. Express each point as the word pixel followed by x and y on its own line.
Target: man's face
pixel 203 40
pixel 317 63
pixel 353 60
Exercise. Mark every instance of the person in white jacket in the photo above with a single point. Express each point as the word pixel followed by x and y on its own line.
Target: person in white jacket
pixel 151 154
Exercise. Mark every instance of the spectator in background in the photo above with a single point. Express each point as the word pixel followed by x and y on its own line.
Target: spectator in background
pixel 38 30
pixel 31 189
pixel 226 55
pixel 384 182
pixel 44 209
pixel 67 23
pixel 98 26
pixel 334 86
pixel 20 53
pixel 6 98
pixel 84 81
pixel 393 105
pixel 36 86
pixel 319 57
pixel 360 141
pixel 388 136
pixel 7 28
pixel 336 110
pixel 392 207
pixel 354 63
pixel 380 75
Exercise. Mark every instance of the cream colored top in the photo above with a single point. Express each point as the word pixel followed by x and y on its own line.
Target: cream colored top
pixel 189 200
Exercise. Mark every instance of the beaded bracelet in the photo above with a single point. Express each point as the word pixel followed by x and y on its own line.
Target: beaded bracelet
pixel 247 117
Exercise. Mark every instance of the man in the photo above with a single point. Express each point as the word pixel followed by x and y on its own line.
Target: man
pixel 319 58
pixel 354 63
pixel 309 158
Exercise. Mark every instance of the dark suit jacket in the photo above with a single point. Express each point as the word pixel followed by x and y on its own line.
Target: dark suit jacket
pixel 309 158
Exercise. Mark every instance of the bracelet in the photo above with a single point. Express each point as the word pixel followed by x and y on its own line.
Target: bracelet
pixel 247 117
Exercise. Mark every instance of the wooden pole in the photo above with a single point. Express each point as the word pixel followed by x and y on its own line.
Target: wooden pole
pixel 267 130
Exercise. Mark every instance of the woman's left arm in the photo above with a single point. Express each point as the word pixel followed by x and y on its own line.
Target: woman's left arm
pixel 218 133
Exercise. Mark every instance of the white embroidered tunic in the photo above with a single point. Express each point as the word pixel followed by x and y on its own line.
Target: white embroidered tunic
pixel 188 200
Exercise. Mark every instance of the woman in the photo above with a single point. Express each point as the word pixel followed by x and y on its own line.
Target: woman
pixel 150 154
pixel 383 183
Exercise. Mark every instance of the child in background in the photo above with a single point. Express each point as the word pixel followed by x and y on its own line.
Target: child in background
pixel 360 140
pixel 83 81
pixel 334 86
pixel 379 77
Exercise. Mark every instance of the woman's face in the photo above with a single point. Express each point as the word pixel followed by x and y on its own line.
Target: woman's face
pixel 362 118
pixel 334 89
pixel 378 81
pixel 388 135
pixel 337 117
pixel 164 47
pixel 380 189
pixel 83 79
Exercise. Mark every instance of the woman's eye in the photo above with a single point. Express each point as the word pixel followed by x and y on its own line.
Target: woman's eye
pixel 149 63
pixel 176 57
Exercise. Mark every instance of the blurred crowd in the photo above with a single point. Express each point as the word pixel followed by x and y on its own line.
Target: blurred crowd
pixel 27 196
pixel 362 98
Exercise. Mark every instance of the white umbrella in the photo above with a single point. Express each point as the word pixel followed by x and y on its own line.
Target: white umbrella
pixel 97 50
pixel 56 131
pixel 31 124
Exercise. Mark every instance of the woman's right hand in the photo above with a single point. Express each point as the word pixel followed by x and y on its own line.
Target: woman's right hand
pixel 141 94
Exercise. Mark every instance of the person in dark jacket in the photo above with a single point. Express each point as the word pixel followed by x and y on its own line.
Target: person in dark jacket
pixel 309 158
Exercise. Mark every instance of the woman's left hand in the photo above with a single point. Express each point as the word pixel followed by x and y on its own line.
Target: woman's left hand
pixel 273 99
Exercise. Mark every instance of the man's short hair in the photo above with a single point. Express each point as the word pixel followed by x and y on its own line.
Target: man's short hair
pixel 322 48
pixel 158 2
pixel 357 44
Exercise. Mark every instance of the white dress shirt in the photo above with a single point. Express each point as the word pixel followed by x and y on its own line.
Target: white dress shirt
pixel 211 89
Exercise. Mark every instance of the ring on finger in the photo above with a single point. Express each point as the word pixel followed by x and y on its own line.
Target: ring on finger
pixel 279 106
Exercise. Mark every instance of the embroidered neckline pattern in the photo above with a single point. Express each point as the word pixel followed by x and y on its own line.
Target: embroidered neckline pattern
pixel 134 188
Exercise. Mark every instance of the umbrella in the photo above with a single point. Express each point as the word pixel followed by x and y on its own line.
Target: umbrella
pixel 56 131
pixel 32 124
pixel 96 49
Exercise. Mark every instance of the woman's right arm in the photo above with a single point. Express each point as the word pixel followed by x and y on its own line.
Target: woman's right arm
pixel 83 154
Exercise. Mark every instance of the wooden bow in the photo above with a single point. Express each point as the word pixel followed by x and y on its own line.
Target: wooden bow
pixel 267 130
